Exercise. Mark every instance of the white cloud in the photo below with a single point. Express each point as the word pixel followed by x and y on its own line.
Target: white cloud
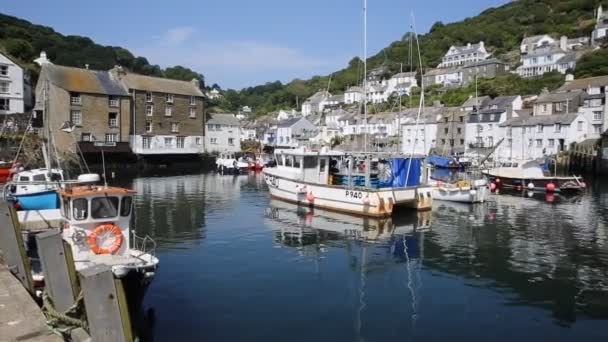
pixel 177 35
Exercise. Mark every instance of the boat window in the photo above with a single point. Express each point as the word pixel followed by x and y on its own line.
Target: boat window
pixel 39 178
pixel 125 206
pixel 104 207
pixel 515 165
pixel 297 162
pixel 280 161
pixel 289 161
pixel 506 165
pixel 24 179
pixel 80 208
pixel 66 208
pixel 310 162
pixel 322 164
pixel 55 177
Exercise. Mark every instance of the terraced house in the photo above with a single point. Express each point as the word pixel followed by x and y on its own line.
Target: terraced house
pixel 167 115
pixel 95 103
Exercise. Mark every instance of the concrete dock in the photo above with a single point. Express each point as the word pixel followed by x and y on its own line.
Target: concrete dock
pixel 20 317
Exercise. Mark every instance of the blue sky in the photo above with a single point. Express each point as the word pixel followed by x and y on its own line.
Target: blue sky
pixel 239 43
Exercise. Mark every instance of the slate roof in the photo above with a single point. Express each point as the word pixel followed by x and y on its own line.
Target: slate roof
pixel 224 119
pixel 484 62
pixel 440 71
pixel 467 49
pixel 545 120
pixel 355 89
pixel 544 51
pixel 558 97
pixel 405 74
pixel 532 40
pixel 584 83
pixel 160 85
pixel 501 102
pixel 476 101
pixel 83 80
pixel 318 96
pixel 288 122
pixel 485 117
pixel 336 98
pixel 568 58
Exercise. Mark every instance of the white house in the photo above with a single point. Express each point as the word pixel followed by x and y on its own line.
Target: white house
pixel 444 76
pixel 482 129
pixel 315 103
pixel 248 131
pixel 595 104
pixel 292 133
pixel 287 114
pixel 461 55
pixel 419 137
pixel 402 83
pixel 541 54
pixel 376 93
pixel 538 136
pixel 601 26
pixel 214 94
pixel 353 95
pixel 13 84
pixel 223 133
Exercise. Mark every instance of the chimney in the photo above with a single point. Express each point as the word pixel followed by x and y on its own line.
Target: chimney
pixel 118 71
pixel 86 66
pixel 600 10
pixel 42 59
pixel 563 43
pixel 545 91
pixel 196 83
pixel 469 45
pixel 569 78
pixel 481 45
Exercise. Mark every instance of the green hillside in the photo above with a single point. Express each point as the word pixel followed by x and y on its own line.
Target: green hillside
pixel 23 41
pixel 502 29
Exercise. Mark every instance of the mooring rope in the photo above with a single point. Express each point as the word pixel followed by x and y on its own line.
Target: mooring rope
pixel 62 321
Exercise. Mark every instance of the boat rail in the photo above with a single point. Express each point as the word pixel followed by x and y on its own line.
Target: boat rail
pixel 145 245
pixel 7 195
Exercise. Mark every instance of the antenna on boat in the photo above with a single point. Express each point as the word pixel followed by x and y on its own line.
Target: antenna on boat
pixel 103 163
pixel 365 73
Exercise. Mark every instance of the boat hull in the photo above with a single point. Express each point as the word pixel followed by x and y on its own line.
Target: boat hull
pixel 356 200
pixel 462 195
pixel 5 172
pixel 565 185
pixel 39 200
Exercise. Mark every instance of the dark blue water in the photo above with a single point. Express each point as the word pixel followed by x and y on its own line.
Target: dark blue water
pixel 236 266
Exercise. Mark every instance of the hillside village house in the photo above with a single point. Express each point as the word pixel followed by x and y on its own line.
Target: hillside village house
pixel 594 106
pixel 451 131
pixel 334 102
pixel 461 55
pixel 541 54
pixel 223 133
pixel 447 77
pixel 248 131
pixel 292 133
pixel 539 136
pixel 15 87
pixel 95 102
pixel 558 103
pixel 472 104
pixel 488 68
pixel 483 126
pixel 419 137
pixel 167 114
pixel 315 103
pixel 601 26
pixel 353 95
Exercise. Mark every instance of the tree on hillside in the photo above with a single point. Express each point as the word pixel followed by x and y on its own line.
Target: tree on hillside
pixel 592 64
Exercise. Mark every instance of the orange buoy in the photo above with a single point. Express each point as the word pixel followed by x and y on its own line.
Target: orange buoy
pixel 102 228
pixel 310 197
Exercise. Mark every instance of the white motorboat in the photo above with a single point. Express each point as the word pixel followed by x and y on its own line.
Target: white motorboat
pixel 229 163
pixel 314 179
pixel 475 191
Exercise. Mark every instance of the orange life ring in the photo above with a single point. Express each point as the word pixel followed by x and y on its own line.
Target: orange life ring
pixel 102 228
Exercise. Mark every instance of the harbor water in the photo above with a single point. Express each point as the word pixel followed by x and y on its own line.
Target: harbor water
pixel 238 266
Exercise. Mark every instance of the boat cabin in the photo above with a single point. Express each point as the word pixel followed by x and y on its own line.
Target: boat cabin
pixel 521 169
pixel 35 181
pixel 311 167
pixel 97 219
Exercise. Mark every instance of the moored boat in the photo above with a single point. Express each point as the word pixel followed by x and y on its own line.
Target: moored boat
pixel 317 180
pixel 444 162
pixel 6 170
pixel 464 191
pixel 533 175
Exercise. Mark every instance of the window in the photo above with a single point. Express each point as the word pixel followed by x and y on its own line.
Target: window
pixel 76 117
pixel 231 141
pixel 446 130
pixel 559 106
pixel 193 100
pixel 145 142
pixel 125 206
pixel 597 115
pixel 213 140
pixel 442 141
pixel 551 143
pixel 461 118
pixel 580 126
pixel 38 178
pixel 111 137
pixel 509 142
pixel 66 208
pixel 80 209
pixel 75 99
pixel 459 130
pixel 297 162
pixel 113 119
pixel 529 142
pixel 85 137
pixel 461 141
pixel 5 87
pixel 492 117
pixel 322 165
pixel 169 111
pixel 479 141
pixel 148 97
pixel 539 142
pixel 490 141
pixel 180 142
pixel 149 126
pixel 104 207
pixel 193 112
pixel 544 108
pixel 4 104
pixel 451 142
pixel 113 101
pixel 174 127
pixel 197 141
pixel 445 120
pixel 558 128
pixel 509 131
pixel 597 129
pixel 169 98
pixel 168 141
pixel 539 128
pixel 3 70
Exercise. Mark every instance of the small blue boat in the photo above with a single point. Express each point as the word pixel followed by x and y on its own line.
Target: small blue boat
pixel 38 201
pixel 444 162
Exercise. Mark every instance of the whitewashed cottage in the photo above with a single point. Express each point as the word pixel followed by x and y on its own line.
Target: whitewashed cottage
pixel 223 133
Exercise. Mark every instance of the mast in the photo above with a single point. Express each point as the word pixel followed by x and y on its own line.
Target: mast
pixel 46 119
pixel 365 73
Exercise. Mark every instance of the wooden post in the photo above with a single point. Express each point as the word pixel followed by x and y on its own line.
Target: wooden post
pixel 11 242
pixel 108 319
pixel 56 267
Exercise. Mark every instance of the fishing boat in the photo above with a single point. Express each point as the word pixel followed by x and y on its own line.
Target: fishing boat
pixel 533 175
pixel 35 189
pixel 229 163
pixel 331 180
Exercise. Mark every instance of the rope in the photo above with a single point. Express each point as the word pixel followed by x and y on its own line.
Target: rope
pixel 61 321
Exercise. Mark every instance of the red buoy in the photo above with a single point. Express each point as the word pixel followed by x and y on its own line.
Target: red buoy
pixel 497 180
pixel 310 197
pixel 518 188
pixel 583 185
pixel 550 187
pixel 492 186
pixel 550 198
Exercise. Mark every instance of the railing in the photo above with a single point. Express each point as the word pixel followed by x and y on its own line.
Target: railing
pixel 145 245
